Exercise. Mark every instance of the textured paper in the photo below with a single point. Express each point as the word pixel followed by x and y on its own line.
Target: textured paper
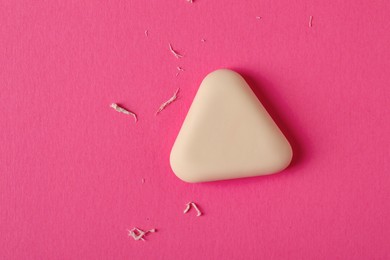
pixel 70 167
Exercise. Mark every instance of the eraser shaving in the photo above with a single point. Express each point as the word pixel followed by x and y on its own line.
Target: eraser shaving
pixel 124 111
pixel 188 207
pixel 169 101
pixel 175 53
pixel 139 234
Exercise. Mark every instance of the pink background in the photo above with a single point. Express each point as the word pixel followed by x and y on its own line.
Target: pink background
pixel 71 167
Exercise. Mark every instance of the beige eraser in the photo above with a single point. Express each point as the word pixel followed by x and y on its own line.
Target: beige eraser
pixel 228 134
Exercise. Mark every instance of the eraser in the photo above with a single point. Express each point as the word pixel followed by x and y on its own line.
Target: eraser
pixel 228 134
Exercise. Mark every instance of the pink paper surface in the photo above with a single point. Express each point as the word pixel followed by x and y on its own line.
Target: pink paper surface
pixel 71 168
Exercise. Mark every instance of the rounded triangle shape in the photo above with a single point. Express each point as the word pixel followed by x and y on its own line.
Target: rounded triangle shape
pixel 228 134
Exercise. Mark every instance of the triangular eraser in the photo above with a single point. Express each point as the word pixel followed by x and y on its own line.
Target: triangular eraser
pixel 228 134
